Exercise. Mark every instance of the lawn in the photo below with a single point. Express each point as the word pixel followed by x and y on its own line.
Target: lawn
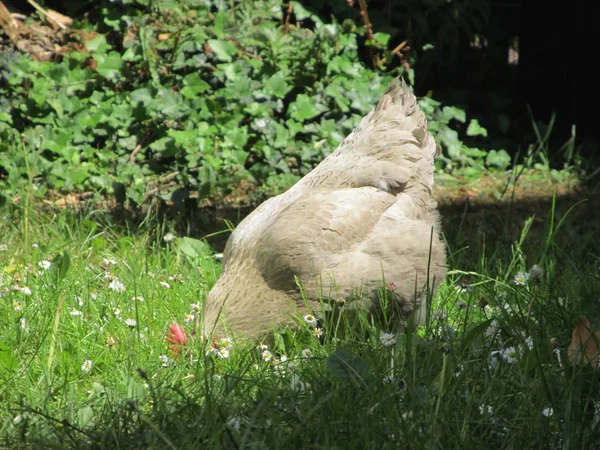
pixel 92 312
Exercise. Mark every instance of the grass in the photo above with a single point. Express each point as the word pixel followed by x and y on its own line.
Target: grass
pixel 84 361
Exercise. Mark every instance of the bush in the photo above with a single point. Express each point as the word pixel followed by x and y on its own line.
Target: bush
pixel 198 96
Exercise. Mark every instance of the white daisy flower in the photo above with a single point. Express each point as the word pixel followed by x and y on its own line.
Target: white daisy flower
pixel 307 353
pixel 226 342
pixel 165 361
pixel 110 341
pixel 169 237
pixel 510 355
pixel 387 339
pixel 165 284
pixel 187 318
pixel 310 319
pixel 266 355
pixel 130 322
pixel 76 313
pixel 87 366
pixel 521 279
pixel 45 264
pixel 223 353
pixel 116 285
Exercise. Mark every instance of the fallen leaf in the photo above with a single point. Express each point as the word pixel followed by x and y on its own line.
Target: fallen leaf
pixel 584 344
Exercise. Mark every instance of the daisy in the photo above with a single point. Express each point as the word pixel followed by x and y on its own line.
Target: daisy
pixel 223 353
pixel 165 284
pixel 387 339
pixel 131 322
pixel 307 353
pixel 116 286
pixel 76 313
pixel 165 361
pixel 509 355
pixel 521 279
pixel 187 318
pixel 310 319
pixel 169 237
pixel 267 355
pixel 226 342
pixel 110 341
pixel 317 332
pixel 45 264
pixel 87 366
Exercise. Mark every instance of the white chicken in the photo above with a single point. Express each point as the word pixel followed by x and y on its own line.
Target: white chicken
pixel 365 214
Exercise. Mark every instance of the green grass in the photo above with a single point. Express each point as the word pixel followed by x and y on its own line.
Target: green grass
pixel 453 383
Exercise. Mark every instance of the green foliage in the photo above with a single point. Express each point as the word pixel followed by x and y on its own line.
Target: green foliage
pixel 477 368
pixel 199 96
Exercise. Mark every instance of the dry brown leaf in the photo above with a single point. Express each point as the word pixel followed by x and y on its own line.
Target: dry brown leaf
pixel 164 36
pixel 584 344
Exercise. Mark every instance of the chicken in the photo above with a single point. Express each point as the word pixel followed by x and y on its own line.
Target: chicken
pixel 365 214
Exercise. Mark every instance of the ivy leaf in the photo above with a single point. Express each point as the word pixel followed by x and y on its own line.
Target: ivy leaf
pixel 304 108
pixel 277 86
pixel 498 158
pixel 223 50
pixel 109 66
pixel 85 416
pixel 475 129
pixel 97 45
pixel 194 85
